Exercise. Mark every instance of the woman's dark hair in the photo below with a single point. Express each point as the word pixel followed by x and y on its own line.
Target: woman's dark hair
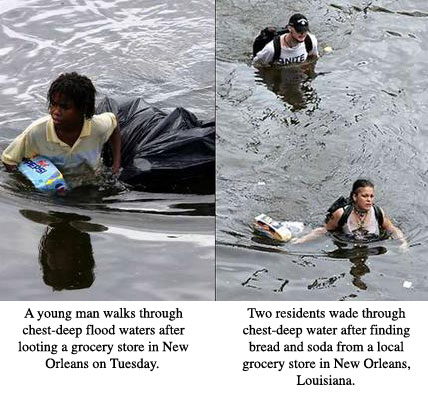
pixel 77 88
pixel 360 183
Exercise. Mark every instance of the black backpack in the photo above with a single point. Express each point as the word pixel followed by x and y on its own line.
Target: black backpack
pixel 270 33
pixel 346 204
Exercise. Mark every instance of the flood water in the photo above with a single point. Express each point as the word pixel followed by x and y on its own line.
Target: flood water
pixel 109 242
pixel 291 141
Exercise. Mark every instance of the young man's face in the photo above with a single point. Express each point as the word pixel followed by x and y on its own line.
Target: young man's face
pixel 299 36
pixel 64 112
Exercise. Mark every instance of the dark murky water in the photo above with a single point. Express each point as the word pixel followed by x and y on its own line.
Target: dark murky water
pixel 111 243
pixel 291 141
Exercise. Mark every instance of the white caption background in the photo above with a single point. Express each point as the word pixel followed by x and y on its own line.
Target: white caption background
pixel 212 365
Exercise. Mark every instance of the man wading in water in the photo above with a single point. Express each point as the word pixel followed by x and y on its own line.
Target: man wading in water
pixel 294 46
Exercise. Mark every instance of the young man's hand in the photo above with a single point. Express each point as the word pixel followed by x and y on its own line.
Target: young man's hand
pixel 115 168
pixel 10 167
pixel 115 141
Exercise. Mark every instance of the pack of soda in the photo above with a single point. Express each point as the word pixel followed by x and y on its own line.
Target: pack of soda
pixel 43 174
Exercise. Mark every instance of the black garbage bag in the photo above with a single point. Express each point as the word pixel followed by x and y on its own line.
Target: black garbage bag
pixel 162 152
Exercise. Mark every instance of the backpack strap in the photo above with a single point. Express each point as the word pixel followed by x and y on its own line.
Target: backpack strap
pixel 277 48
pixel 308 43
pixel 346 213
pixel 379 216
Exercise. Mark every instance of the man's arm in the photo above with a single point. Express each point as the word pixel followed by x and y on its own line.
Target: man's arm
pixel 15 152
pixel 115 141
pixel 10 167
pixel 265 56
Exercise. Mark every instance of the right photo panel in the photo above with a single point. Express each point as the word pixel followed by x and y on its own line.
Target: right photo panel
pixel 322 170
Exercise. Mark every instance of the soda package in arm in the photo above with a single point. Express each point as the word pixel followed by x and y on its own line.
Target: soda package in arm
pixel 43 174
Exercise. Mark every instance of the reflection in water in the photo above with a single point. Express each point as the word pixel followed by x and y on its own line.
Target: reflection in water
pixel 359 269
pixel 291 83
pixel 358 256
pixel 65 250
pixel 66 257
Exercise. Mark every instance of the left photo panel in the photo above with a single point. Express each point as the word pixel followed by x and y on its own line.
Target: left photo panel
pixel 107 143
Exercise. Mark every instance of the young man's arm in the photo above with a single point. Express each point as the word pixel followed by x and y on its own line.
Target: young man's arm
pixel 115 142
pixel 10 167
pixel 265 56
pixel 14 153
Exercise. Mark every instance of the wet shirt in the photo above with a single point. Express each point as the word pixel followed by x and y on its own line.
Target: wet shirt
pixel 368 231
pixel 293 55
pixel 77 163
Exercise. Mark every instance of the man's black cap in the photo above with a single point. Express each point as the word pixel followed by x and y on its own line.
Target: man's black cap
pixel 299 22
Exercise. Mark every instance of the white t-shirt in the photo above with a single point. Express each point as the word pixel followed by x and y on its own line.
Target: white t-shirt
pixel 293 55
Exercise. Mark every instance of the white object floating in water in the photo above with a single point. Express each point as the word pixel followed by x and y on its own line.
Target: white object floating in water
pixel 407 284
pixel 261 183
pixel 282 231
pixel 328 49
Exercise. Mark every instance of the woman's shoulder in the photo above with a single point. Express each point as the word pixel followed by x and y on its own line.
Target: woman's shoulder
pixel 333 222
pixel 338 213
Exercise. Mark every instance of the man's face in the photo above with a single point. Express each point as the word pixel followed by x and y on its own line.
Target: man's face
pixel 64 112
pixel 299 36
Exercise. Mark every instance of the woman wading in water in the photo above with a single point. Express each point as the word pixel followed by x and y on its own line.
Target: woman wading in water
pixel 357 218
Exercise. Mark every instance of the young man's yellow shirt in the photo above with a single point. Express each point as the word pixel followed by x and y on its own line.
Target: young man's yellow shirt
pixel 77 163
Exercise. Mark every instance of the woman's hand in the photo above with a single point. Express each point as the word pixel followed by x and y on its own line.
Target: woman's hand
pixel 404 246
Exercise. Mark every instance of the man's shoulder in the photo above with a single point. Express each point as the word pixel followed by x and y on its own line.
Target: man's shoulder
pixel 102 124
pixel 269 46
pixel 265 55
pixel 103 118
pixel 38 126
pixel 40 122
